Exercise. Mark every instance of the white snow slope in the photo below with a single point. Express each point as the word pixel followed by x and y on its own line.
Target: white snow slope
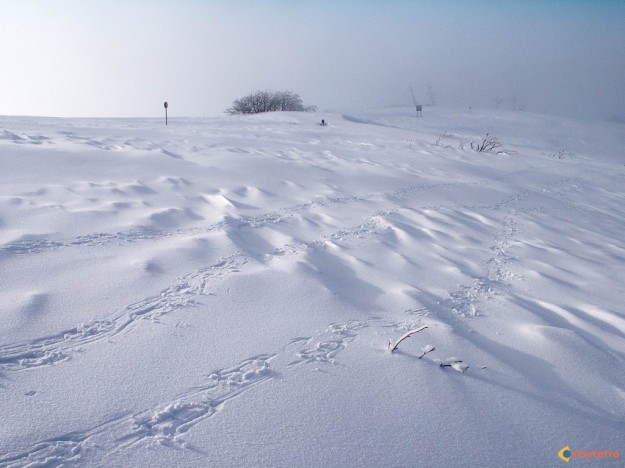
pixel 222 292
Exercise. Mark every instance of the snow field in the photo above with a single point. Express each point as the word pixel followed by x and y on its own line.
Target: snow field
pixel 221 292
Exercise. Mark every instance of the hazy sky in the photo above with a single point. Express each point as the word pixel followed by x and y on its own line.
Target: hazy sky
pixel 125 57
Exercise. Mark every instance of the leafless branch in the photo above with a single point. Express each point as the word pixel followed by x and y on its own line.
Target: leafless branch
pixel 404 336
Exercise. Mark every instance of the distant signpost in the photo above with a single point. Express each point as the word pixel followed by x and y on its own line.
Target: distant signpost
pixel 166 106
pixel 419 107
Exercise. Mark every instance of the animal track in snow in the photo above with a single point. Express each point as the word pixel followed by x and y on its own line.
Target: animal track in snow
pixel 326 351
pixel 56 452
pixel 464 301
pixel 170 421
pixel 62 346
pixel 164 424
pixel 497 264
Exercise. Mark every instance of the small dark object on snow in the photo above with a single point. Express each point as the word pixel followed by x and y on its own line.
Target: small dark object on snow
pixel 323 123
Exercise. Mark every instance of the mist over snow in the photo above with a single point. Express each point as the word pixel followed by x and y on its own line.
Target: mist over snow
pixel 118 58
pixel 225 291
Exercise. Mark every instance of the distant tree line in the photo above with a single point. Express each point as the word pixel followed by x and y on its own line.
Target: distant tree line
pixel 269 101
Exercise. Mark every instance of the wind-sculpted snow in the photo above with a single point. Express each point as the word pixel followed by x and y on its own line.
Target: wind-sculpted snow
pixel 227 291
pixel 258 221
pixel 22 138
pixel 184 293
pixel 187 289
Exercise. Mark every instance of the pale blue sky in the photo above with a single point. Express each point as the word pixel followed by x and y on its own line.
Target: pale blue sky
pixel 125 57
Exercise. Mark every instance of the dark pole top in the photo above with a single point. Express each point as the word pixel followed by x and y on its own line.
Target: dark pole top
pixel 166 105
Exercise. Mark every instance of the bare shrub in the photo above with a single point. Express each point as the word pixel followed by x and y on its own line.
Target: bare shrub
pixel 488 144
pixel 561 153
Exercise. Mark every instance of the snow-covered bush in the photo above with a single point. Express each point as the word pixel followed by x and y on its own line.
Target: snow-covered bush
pixel 269 101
